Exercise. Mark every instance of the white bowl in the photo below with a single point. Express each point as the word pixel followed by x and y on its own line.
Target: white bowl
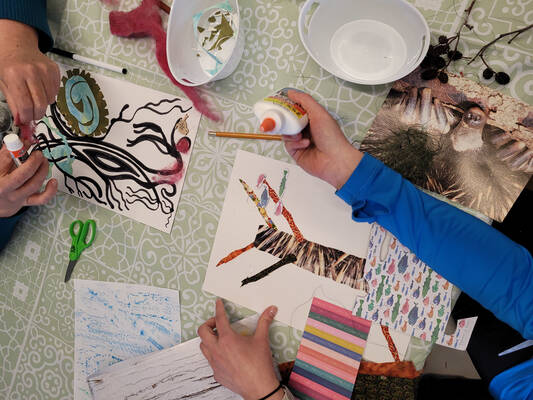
pixel 189 62
pixel 368 42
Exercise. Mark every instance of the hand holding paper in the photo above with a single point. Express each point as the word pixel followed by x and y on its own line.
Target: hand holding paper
pixel 243 364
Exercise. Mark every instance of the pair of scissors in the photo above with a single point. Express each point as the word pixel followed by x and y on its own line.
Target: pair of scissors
pixel 78 232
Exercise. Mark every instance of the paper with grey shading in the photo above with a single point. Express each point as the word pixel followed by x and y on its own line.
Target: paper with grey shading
pixel 179 372
pixel 117 321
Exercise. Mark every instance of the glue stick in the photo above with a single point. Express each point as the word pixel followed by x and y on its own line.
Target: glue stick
pixel 279 114
pixel 15 146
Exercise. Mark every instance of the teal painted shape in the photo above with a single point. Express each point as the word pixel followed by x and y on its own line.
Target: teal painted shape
pixel 77 91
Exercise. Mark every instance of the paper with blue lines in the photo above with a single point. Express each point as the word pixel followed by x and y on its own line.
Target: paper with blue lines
pixel 116 321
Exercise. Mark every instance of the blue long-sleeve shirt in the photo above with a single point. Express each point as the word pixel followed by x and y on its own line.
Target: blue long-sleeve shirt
pixel 481 261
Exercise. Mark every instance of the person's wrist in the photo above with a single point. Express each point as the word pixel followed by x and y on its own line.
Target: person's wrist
pixel 261 390
pixel 15 35
pixel 343 167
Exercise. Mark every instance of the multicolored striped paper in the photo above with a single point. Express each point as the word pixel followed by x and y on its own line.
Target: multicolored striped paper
pixel 328 359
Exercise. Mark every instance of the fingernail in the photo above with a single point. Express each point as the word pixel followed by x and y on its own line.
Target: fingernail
pixel 273 311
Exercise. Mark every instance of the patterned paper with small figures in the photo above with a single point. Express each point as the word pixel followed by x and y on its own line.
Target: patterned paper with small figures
pixel 405 294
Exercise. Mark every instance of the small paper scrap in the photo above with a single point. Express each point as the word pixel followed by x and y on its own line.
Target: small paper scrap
pixel 117 321
pixel 328 359
pixel 460 338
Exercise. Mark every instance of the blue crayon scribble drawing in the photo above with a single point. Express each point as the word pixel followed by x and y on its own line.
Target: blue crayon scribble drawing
pixel 116 321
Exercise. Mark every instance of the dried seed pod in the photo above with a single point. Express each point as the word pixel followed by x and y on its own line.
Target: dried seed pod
pixel 440 62
pixel 488 73
pixel 441 49
pixel 443 39
pixel 429 74
pixel 443 77
pixel 455 55
pixel 502 78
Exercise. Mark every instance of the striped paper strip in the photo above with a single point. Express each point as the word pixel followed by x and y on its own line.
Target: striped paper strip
pixel 328 359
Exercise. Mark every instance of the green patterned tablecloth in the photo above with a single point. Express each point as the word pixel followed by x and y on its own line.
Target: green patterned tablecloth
pixel 36 307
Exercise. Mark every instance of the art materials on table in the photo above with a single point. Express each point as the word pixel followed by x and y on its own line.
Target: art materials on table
pixel 90 61
pixel 330 351
pixel 311 222
pixel 450 139
pixel 277 113
pixel 79 232
pixel 16 148
pixel 128 154
pixel 358 42
pixel 145 21
pixel 217 40
pixel 116 322
pixel 179 372
pixel 240 135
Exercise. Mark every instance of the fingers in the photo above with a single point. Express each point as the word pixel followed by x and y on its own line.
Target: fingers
pixel 266 318
pixel 18 97
pixel 29 88
pixel 293 147
pixel 307 102
pixel 39 96
pixel 52 82
pixel 207 333
pixel 45 196
pixel 6 162
pixel 292 138
pixel 221 319
pixel 22 174
pixel 205 352
pixel 33 184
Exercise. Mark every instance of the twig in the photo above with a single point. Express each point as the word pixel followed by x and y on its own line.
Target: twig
pixel 500 36
pixel 458 35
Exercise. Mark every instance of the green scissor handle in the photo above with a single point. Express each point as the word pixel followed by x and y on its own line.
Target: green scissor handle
pixel 78 232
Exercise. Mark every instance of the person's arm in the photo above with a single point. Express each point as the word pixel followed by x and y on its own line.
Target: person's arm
pixel 31 13
pixel 28 79
pixel 469 253
pixel 481 261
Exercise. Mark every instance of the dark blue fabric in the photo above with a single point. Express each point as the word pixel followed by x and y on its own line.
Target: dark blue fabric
pixel 32 13
pixel 7 225
pixel 481 261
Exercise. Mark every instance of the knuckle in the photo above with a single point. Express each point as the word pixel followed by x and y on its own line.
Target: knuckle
pixel 11 197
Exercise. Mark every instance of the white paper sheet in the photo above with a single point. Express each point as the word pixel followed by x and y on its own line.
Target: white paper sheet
pixel 117 321
pixel 116 163
pixel 321 216
pixel 179 372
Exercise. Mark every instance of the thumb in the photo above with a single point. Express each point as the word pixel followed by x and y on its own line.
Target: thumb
pixel 264 322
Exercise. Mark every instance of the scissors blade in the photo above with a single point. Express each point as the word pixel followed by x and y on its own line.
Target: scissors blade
pixel 70 268
pixel 520 346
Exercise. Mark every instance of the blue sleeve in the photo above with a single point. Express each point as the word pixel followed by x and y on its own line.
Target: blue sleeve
pixel 481 261
pixel 7 225
pixel 514 384
pixel 32 13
